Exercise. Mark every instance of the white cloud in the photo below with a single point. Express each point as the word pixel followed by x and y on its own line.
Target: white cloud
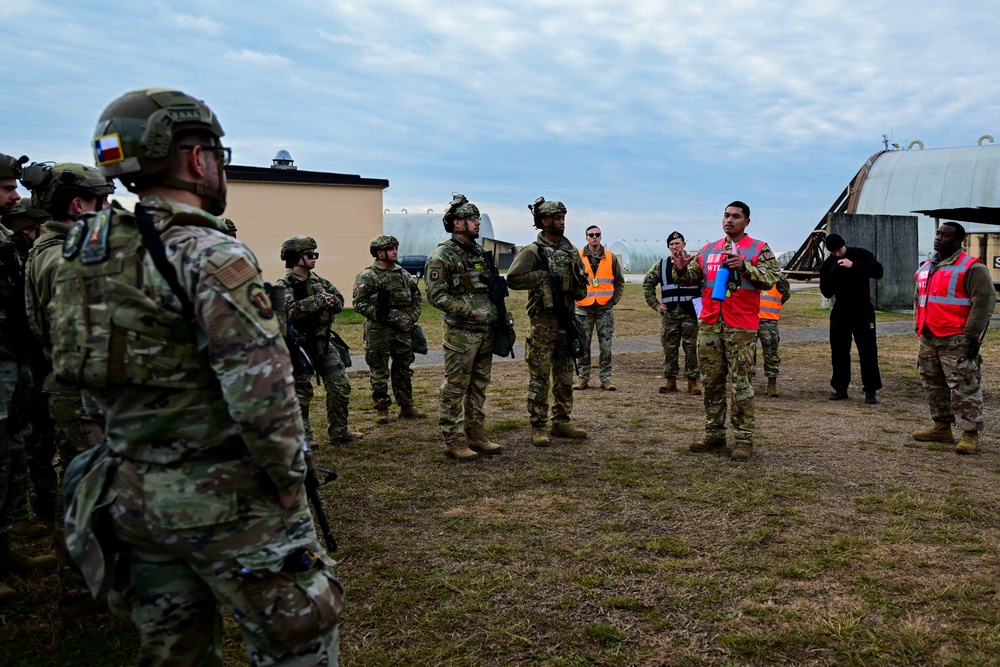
pixel 258 58
pixel 203 24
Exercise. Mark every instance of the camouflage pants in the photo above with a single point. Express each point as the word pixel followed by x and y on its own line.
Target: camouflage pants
pixel 468 363
pixel 338 395
pixel 15 431
pixel 548 356
pixel 603 320
pixel 185 563
pixel 382 345
pixel 950 381
pixel 725 355
pixel 41 450
pixel 769 338
pixel 677 329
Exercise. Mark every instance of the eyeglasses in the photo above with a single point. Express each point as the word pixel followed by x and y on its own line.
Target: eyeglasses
pixel 223 153
pixel 310 255
pixel 473 218
pixel 593 235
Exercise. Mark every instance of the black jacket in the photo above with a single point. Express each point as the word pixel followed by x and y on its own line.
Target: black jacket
pixel 850 286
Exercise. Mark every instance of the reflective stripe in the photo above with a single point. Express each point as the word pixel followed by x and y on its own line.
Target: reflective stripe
pixel 671 292
pixel 953 300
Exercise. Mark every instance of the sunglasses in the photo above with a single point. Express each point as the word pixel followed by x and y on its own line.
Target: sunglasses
pixel 310 255
pixel 223 153
pixel 593 234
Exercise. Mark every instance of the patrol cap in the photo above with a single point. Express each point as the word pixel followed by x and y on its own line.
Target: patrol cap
pixel 675 235
pixel 10 167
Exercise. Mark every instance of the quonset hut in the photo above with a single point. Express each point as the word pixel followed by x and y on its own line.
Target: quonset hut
pixel 420 233
pixel 638 256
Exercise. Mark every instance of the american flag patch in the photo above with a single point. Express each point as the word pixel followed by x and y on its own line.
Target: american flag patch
pixel 108 149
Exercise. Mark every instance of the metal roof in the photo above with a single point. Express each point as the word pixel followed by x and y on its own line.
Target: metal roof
pixel 639 256
pixel 420 233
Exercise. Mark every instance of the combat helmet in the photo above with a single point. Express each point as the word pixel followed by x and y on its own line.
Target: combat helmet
pixel 10 167
pixel 134 138
pixel 24 215
pixel 459 208
pixel 292 249
pixel 46 180
pixel 382 242
pixel 543 209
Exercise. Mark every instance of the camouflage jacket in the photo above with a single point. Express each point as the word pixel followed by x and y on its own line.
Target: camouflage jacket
pixel 528 271
pixel 458 283
pixel 404 296
pixel 43 260
pixel 163 412
pixel 7 283
pixel 306 307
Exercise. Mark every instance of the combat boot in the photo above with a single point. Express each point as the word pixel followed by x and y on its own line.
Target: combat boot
pixel 669 387
pixel 693 387
pixel 742 452
pixel 607 386
pixel 707 443
pixel 16 563
pixel 27 528
pixel 940 432
pixel 410 412
pixel 772 387
pixel 6 593
pixel 967 445
pixel 382 416
pixel 457 449
pixel 564 430
pixel 539 436
pixel 346 438
pixel 478 442
pixel 581 385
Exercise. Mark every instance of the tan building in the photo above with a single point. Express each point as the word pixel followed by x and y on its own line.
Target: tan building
pixel 343 212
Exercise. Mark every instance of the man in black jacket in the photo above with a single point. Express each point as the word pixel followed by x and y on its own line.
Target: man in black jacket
pixel 845 277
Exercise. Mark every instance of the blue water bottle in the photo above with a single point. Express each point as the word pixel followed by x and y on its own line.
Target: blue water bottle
pixel 720 287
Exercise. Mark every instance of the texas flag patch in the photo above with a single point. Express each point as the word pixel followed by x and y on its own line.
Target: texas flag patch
pixel 108 149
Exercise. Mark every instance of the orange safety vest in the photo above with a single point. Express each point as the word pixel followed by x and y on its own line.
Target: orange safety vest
pixel 944 289
pixel 600 288
pixel 741 310
pixel 770 304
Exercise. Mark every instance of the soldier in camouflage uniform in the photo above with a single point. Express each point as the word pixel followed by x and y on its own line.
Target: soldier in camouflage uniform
pixel 15 392
pixel 953 304
pixel 199 505
pixel 312 303
pixel 457 278
pixel 551 257
pixel 768 334
pixel 389 299
pixel 678 321
pixel 728 329
pixel 595 310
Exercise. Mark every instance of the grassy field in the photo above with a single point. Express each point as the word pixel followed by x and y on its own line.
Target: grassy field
pixel 842 542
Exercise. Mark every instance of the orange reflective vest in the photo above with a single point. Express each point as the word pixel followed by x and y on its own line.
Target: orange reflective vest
pixel 942 302
pixel 770 304
pixel 600 287
pixel 741 309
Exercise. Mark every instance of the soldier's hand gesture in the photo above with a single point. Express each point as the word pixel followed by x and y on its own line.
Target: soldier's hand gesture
pixel 680 259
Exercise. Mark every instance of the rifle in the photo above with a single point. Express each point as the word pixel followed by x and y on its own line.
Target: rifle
pixel 313 485
pixel 504 335
pixel 564 316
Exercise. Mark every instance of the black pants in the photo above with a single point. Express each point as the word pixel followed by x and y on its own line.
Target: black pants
pixel 855 321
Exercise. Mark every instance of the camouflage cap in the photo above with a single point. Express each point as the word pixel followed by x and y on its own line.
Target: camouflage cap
pixel 46 180
pixel 297 245
pixel 24 215
pixel 10 167
pixel 383 242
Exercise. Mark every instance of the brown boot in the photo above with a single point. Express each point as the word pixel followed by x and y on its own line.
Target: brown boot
pixel 564 430
pixel 742 452
pixel 346 438
pixel 669 387
pixel 457 449
pixel 707 443
pixel 772 387
pixel 478 442
pixel 967 445
pixel 581 385
pixel 410 412
pixel 27 528
pixel 382 416
pixel 693 387
pixel 607 386
pixel 16 563
pixel 940 432
pixel 539 436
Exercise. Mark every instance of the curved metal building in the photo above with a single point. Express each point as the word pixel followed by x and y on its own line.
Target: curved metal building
pixel 420 233
pixel 638 256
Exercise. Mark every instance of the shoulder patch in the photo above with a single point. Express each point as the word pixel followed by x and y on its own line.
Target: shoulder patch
pixel 95 244
pixel 236 272
pixel 74 239
pixel 435 274
pixel 258 296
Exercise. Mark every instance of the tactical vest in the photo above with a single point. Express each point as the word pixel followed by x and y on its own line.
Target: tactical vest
pixel 770 304
pixel 741 310
pixel 942 302
pixel 109 322
pixel 475 275
pixel 600 287
pixel 671 292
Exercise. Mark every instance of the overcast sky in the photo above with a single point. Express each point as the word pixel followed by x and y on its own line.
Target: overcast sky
pixel 641 116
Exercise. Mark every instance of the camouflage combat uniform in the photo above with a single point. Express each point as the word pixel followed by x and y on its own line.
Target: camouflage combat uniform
pixel 726 353
pixel 769 335
pixel 600 317
pixel 457 278
pixel 546 350
pixel 389 338
pixel 306 307
pixel 203 432
pixel 678 325
pixel 950 379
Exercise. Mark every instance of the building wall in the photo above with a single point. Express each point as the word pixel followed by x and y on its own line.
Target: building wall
pixel 893 241
pixel 342 219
